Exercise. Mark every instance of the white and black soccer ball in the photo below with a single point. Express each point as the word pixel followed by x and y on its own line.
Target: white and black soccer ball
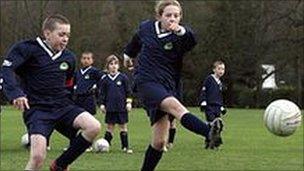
pixel 101 145
pixel 25 142
pixel 282 117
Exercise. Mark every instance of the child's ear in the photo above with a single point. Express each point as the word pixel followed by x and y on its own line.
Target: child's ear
pixel 46 33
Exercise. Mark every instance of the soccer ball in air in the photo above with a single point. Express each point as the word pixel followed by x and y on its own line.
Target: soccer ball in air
pixel 101 145
pixel 25 140
pixel 282 117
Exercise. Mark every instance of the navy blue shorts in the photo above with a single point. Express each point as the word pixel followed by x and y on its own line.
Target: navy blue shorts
pixel 44 122
pixel 87 102
pixel 212 112
pixel 151 95
pixel 116 117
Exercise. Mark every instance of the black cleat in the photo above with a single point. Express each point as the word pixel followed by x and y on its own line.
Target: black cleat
pixel 215 139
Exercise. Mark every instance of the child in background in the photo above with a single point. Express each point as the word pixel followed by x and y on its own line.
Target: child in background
pixel 85 86
pixel 211 100
pixel 85 83
pixel 115 101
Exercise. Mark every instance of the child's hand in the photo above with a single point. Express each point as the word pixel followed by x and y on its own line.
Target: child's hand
pixel 103 108
pixel 21 103
pixel 129 107
pixel 128 62
pixel 203 106
pixel 223 110
pixel 177 29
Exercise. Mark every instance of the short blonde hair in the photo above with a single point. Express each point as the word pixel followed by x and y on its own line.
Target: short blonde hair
pixel 50 22
pixel 217 63
pixel 110 59
pixel 162 4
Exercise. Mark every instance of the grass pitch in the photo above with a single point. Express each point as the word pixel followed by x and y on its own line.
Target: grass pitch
pixel 247 146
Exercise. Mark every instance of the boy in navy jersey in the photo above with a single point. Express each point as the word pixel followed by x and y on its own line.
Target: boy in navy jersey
pixel 211 100
pixel 85 83
pixel 115 101
pixel 160 46
pixel 45 68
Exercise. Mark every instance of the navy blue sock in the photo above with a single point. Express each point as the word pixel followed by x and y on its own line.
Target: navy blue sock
pixel 172 132
pixel 152 158
pixel 79 145
pixel 124 139
pixel 108 136
pixel 192 123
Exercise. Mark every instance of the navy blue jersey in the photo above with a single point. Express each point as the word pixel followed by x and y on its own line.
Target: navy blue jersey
pixel 160 55
pixel 42 75
pixel 211 91
pixel 1 86
pixel 86 79
pixel 114 91
pixel 1 82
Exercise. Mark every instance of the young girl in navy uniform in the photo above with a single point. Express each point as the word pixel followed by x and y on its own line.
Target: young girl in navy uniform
pixel 115 101
pixel 160 45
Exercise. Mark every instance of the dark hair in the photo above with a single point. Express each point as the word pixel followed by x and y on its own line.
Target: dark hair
pixel 50 22
pixel 89 53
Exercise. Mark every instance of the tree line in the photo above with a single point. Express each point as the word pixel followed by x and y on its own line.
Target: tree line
pixel 244 34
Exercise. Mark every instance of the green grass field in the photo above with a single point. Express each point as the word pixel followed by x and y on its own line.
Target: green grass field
pixel 247 146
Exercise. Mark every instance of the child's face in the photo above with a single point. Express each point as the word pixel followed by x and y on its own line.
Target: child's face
pixel 59 37
pixel 219 70
pixel 113 67
pixel 171 15
pixel 86 60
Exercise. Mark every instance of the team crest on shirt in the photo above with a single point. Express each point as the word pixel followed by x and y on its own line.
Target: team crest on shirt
pixel 87 77
pixel 118 83
pixel 64 66
pixel 168 46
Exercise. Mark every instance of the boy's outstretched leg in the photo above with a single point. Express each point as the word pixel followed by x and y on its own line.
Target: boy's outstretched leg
pixel 191 122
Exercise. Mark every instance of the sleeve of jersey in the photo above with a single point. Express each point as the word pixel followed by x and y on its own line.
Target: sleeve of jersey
pixel 101 98
pixel 69 83
pixel 16 56
pixel 128 89
pixel 133 47
pixel 189 40
pixel 1 83
pixel 99 74
pixel 203 93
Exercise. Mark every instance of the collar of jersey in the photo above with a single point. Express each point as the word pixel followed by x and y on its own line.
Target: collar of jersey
pixel 158 32
pixel 217 80
pixel 113 77
pixel 85 70
pixel 48 50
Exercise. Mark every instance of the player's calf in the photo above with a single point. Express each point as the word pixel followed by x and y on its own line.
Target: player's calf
pixel 54 167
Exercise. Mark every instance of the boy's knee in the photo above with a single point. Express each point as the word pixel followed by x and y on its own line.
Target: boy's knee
pixel 37 160
pixel 159 144
pixel 94 129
